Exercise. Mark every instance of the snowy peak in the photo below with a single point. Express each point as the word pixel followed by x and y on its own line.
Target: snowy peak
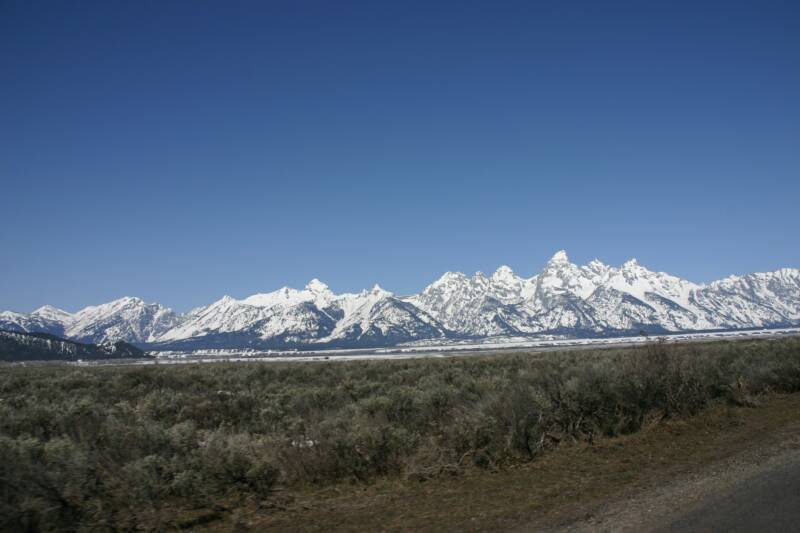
pixel 507 287
pixel 48 312
pixel 127 319
pixel 563 299
pixel 450 278
pixel 597 267
pixel 126 302
pixel 282 296
pixel 21 322
pixel 630 264
pixel 317 287
pixel 315 291
pixel 504 274
pixel 559 257
pixel 562 278
pixel 377 290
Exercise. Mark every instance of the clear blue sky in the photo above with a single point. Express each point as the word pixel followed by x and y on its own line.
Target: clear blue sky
pixel 179 151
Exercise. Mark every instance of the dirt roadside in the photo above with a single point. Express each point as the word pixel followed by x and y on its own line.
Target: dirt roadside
pixel 756 489
pixel 648 481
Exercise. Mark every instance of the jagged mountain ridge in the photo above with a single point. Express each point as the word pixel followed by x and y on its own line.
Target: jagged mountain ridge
pixel 290 318
pixel 126 319
pixel 563 299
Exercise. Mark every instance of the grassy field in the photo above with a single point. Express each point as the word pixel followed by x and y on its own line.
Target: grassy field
pixel 172 446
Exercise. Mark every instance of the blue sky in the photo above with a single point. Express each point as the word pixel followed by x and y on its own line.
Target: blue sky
pixel 179 151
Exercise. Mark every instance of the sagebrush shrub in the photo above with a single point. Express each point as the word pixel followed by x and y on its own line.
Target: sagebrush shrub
pixel 123 447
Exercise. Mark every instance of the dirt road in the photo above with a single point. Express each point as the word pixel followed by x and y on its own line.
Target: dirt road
pixel 756 490
pixel 769 501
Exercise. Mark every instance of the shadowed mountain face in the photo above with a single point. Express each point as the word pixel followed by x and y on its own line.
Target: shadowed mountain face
pixel 16 346
pixel 564 299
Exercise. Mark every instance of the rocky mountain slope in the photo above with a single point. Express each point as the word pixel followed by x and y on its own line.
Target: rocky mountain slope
pixel 563 299
pixel 16 346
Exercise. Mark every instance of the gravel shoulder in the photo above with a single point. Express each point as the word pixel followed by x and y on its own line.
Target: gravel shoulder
pixel 758 489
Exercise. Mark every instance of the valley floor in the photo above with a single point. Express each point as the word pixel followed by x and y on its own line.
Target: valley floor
pixel 424 350
pixel 635 438
pixel 731 469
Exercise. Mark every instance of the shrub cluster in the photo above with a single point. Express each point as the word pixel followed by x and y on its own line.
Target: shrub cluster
pixel 123 447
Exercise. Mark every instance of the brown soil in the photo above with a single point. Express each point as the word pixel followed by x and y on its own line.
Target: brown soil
pixel 576 486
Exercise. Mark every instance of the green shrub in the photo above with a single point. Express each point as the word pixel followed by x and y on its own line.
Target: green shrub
pixel 129 447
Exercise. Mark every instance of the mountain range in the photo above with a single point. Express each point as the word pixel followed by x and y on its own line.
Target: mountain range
pixel 564 299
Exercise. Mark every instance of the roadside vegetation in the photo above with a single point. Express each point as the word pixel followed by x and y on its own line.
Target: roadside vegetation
pixel 160 446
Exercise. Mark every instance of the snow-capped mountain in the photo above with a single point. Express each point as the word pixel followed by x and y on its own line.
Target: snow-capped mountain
pixel 754 300
pixel 47 319
pixel 377 317
pixel 294 318
pixel 473 306
pixel 127 319
pixel 53 314
pixel 563 299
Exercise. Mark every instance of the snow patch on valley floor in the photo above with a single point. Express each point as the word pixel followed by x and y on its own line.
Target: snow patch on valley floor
pixel 420 350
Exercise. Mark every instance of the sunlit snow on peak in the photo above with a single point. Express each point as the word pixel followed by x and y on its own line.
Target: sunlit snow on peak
pixel 503 272
pixel 563 298
pixel 631 263
pixel 317 286
pixel 559 257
